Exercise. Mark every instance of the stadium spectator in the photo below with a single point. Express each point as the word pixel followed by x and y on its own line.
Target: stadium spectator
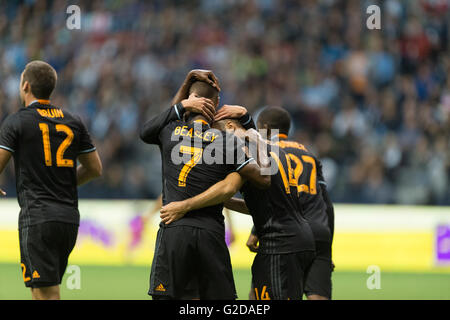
pixel 374 104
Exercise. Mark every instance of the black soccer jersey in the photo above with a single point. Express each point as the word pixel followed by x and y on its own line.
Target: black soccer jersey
pixel 308 171
pixel 194 157
pixel 45 142
pixel 278 223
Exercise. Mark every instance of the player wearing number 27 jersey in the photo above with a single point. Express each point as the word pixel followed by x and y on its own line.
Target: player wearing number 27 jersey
pixel 313 199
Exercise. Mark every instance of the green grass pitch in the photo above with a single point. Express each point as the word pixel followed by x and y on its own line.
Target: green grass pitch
pixel 129 282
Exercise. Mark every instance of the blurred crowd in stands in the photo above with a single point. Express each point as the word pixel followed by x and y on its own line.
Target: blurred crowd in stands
pixel 374 105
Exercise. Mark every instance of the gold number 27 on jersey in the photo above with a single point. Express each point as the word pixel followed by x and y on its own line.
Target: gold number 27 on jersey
pixel 60 161
pixel 290 179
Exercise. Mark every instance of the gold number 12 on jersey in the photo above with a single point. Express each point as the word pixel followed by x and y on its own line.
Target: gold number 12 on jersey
pixel 60 161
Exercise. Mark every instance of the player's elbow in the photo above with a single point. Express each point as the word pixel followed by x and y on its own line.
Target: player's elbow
pixel 99 171
pixel 266 181
pixel 96 171
pixel 142 135
pixel 262 182
pixel 148 132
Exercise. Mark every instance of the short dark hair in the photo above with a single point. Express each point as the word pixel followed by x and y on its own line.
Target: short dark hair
pixel 275 118
pixel 42 78
pixel 222 124
pixel 205 90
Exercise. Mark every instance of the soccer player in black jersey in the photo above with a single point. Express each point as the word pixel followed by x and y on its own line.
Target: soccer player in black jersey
pixel 314 200
pixel 191 259
pixel 46 142
pixel 286 248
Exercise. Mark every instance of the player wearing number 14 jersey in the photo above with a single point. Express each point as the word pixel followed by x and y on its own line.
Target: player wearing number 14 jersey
pixel 286 248
pixel 46 142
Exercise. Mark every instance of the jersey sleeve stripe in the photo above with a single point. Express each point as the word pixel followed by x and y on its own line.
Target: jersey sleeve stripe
pixel 323 182
pixel 176 110
pixel 6 148
pixel 248 121
pixel 244 164
pixel 88 150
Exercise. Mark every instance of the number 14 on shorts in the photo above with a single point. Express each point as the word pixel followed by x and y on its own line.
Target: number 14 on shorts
pixel 264 294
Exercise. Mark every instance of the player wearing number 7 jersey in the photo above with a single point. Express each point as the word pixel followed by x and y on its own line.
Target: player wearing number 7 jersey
pixel 286 247
pixel 191 259
pixel 46 143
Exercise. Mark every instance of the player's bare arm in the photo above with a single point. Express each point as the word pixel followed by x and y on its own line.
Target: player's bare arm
pixel 262 156
pixel 255 175
pixel 218 193
pixel 200 105
pixel 5 155
pixel 90 167
pixel 230 112
pixel 329 210
pixel 254 171
pixel 195 75
pixel 237 205
pixel 252 242
pixel 151 129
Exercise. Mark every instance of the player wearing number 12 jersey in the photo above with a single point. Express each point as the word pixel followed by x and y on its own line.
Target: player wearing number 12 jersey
pixel 46 143
pixel 191 259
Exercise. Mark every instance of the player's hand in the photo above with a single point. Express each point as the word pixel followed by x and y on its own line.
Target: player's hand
pixel 232 237
pixel 230 112
pixel 200 105
pixel 253 135
pixel 3 193
pixel 206 76
pixel 252 243
pixel 173 212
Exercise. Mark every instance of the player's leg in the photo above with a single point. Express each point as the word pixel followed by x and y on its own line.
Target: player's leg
pixel 266 277
pixel 46 293
pixel 293 270
pixel 251 294
pixel 173 275
pixel 316 297
pixel 280 276
pixel 318 282
pixel 214 264
pixel 44 250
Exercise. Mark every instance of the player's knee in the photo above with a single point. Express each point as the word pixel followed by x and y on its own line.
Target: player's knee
pixel 316 297
pixel 251 295
pixel 46 293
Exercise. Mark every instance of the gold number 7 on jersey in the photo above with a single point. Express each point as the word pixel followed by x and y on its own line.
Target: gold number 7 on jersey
pixel 196 157
pixel 60 161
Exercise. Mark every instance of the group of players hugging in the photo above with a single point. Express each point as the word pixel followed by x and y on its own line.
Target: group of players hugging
pixel 209 154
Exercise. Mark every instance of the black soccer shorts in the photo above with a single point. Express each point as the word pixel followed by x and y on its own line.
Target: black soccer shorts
pixel 44 252
pixel 191 263
pixel 280 276
pixel 318 281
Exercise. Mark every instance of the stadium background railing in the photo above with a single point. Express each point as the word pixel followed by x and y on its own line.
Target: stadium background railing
pixel 394 238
